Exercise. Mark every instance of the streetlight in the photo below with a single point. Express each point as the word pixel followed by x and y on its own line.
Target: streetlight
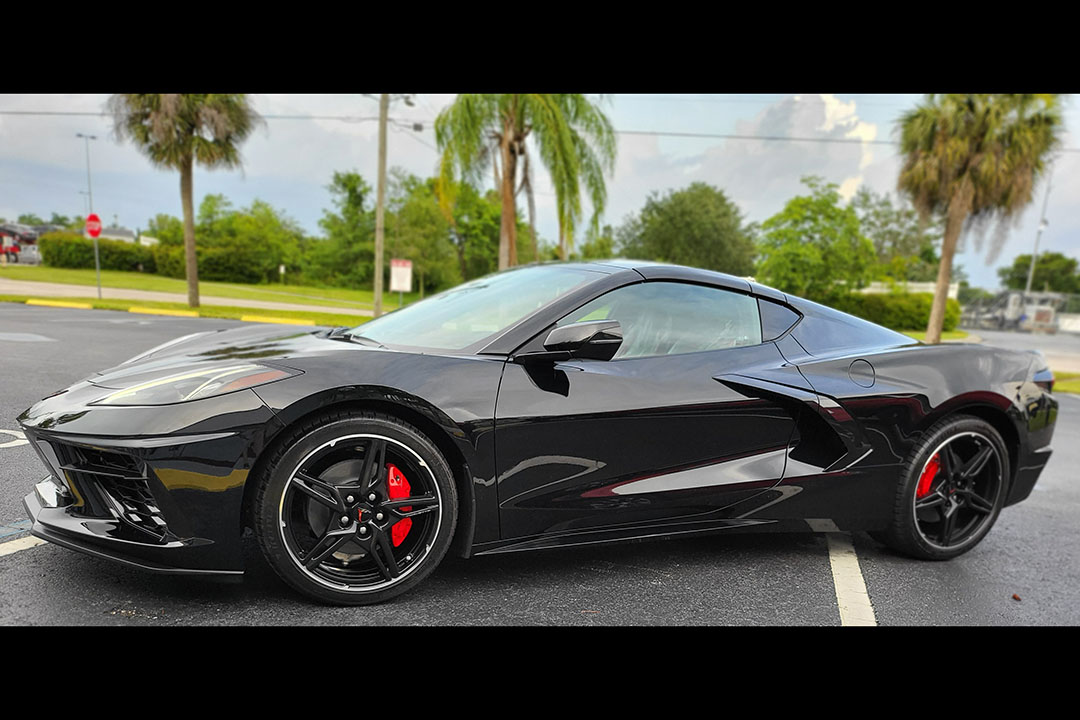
pixel 1043 223
pixel 90 204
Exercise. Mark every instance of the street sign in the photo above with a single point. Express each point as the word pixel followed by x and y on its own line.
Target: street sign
pixel 93 225
pixel 400 275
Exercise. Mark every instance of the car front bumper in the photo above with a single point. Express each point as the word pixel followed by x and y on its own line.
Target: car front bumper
pixel 169 499
pixel 47 507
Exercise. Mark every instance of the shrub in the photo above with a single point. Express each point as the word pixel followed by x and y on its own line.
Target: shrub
pixel 69 250
pixel 170 260
pixel 224 263
pixel 898 311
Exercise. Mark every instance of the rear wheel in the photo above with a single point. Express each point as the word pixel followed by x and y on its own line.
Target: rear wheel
pixel 355 508
pixel 952 490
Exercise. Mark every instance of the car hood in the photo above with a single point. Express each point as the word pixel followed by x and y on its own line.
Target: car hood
pixel 257 343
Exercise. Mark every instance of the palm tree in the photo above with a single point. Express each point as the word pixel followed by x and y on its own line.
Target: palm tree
pixel 973 159
pixel 176 131
pixel 573 137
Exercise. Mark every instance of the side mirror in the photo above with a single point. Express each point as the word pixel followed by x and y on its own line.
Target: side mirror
pixel 593 340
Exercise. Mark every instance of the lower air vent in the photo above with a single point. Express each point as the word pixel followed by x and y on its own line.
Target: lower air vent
pixel 114 485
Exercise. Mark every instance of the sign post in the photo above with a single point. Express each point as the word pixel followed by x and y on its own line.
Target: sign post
pixel 93 229
pixel 400 277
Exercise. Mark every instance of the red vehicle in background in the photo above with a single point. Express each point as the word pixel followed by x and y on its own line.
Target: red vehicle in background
pixel 10 248
pixel 14 239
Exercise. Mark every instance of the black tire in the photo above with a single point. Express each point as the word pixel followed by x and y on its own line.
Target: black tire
pixel 328 453
pixel 973 503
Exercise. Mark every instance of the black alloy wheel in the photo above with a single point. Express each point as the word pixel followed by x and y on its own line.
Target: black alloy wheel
pixel 356 509
pixel 953 489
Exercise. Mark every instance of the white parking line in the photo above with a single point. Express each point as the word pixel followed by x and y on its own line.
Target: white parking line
pixel 24 543
pixel 851 595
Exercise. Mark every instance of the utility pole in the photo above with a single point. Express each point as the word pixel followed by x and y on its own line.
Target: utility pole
pixel 380 193
pixel 380 200
pixel 1042 226
pixel 90 201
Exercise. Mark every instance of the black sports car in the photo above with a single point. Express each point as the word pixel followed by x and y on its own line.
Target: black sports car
pixel 545 406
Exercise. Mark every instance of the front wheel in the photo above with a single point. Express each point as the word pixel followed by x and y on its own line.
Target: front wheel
pixel 355 508
pixel 952 489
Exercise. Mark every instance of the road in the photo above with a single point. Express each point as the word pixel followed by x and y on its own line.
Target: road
pixel 783 579
pixel 1062 350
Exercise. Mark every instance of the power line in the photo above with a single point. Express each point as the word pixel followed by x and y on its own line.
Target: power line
pixel 727 136
pixel 652 133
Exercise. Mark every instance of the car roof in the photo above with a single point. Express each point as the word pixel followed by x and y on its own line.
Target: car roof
pixel 653 270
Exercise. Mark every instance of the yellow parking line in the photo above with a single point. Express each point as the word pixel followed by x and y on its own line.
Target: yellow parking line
pixel 268 319
pixel 60 303
pixel 851 596
pixel 163 311
pixel 14 546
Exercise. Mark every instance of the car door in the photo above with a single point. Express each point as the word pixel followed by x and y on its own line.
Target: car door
pixel 650 437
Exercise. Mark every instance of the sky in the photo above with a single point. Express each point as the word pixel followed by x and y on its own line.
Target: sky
pixel 289 163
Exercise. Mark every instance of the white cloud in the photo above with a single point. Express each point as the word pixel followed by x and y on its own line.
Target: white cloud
pixel 758 175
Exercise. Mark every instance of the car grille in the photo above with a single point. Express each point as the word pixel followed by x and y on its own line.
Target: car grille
pixel 114 485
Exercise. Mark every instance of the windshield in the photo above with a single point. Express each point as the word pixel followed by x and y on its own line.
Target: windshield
pixel 468 313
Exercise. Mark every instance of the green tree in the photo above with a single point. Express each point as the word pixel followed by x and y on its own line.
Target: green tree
pixel 235 245
pixel 973 159
pixel 1053 271
pixel 65 221
pixel 815 247
pixel 966 294
pixel 346 257
pixel 421 233
pixel 30 219
pixel 176 131
pixel 599 244
pixel 573 138
pixel 167 229
pixel 906 247
pixel 696 226
pixel 475 227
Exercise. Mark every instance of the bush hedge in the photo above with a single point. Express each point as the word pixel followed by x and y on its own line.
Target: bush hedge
pixel 222 263
pixel 69 250
pixel 898 311
pixel 170 260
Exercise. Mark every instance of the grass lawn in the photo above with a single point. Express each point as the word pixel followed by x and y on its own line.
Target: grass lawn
pixel 211 311
pixel 299 294
pixel 920 335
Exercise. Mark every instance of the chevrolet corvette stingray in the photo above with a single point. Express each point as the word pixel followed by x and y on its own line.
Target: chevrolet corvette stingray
pixel 546 406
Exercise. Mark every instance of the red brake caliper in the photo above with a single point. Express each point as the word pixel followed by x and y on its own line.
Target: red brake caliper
pixel 927 477
pixel 399 488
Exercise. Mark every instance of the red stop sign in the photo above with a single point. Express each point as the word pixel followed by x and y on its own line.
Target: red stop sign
pixel 93 225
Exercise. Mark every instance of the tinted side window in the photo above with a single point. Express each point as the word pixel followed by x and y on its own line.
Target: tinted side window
pixel 776 319
pixel 668 318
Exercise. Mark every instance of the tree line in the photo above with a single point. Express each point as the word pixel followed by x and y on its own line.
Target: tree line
pixel 817 246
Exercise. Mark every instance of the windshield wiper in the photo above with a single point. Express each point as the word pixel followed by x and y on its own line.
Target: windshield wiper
pixel 342 334
pixel 360 340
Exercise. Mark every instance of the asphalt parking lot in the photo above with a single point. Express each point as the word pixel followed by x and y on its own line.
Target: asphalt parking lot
pixel 783 579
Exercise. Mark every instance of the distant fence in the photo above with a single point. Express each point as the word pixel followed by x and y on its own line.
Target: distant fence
pixel 911 287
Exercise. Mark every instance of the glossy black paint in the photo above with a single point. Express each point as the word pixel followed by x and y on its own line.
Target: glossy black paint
pixel 808 427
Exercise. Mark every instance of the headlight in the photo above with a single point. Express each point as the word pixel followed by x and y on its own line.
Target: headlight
pixel 195 385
